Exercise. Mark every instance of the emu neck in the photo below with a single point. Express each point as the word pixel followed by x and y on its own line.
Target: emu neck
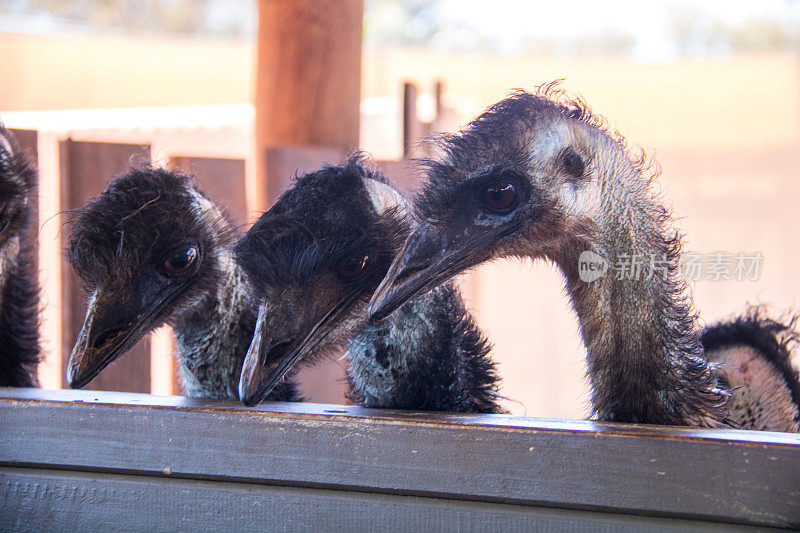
pixel 213 335
pixel 428 355
pixel 645 360
pixel 19 311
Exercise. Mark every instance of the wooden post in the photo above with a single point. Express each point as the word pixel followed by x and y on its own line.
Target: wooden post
pixel 411 125
pixel 308 80
pixel 222 179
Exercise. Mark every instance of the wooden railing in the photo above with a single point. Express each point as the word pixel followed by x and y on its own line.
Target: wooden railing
pixel 78 460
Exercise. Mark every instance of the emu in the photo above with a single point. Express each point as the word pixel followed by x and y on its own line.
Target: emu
pixel 19 289
pixel 754 354
pixel 539 176
pixel 152 248
pixel 315 258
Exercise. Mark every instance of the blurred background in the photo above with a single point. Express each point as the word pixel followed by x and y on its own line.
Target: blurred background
pixel 711 89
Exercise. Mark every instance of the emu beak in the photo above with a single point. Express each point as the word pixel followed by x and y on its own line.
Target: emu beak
pixel 114 323
pixel 260 373
pixel 430 256
pixel 269 360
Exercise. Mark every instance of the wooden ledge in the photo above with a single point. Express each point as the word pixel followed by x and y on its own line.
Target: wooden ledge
pixel 498 464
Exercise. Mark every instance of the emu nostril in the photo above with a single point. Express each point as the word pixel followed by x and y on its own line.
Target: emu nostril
pixel 107 337
pixel 277 352
pixel 409 271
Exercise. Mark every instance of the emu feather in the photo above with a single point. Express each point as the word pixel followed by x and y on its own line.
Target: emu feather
pixel 19 289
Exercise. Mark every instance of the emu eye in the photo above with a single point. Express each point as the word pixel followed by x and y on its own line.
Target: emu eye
pixel 499 196
pixel 353 267
pixel 573 164
pixel 181 260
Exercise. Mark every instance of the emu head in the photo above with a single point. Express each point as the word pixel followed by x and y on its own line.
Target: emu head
pixel 315 259
pixel 523 179
pixel 17 185
pixel 147 249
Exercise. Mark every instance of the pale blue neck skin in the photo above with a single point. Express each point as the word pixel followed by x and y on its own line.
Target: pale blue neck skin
pixel 424 356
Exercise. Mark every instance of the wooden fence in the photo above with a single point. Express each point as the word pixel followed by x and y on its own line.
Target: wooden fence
pixel 83 460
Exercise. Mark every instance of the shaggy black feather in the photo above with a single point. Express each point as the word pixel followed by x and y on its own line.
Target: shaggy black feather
pixel 301 235
pixel 120 241
pixel 772 340
pixel 456 373
pixel 132 220
pixel 428 355
pixel 19 288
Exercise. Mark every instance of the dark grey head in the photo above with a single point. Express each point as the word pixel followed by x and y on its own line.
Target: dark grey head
pixel 520 180
pixel 147 249
pixel 315 259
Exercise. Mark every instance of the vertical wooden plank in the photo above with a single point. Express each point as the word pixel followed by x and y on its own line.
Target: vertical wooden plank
pixel 86 168
pixel 284 162
pixel 308 79
pixel 411 125
pixel 222 179
pixel 27 141
pixel 402 173
pixel 50 263
pixel 415 131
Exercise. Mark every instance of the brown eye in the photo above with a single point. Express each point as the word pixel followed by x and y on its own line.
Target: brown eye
pixel 352 268
pixel 180 261
pixel 499 197
pixel 573 164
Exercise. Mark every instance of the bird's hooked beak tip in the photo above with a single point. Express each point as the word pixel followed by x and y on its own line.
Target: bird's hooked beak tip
pixel 247 396
pixel 259 379
pixel 85 363
pixel 74 380
pixel 251 390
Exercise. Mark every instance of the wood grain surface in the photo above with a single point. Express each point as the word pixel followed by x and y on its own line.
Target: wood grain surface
pixel 628 471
